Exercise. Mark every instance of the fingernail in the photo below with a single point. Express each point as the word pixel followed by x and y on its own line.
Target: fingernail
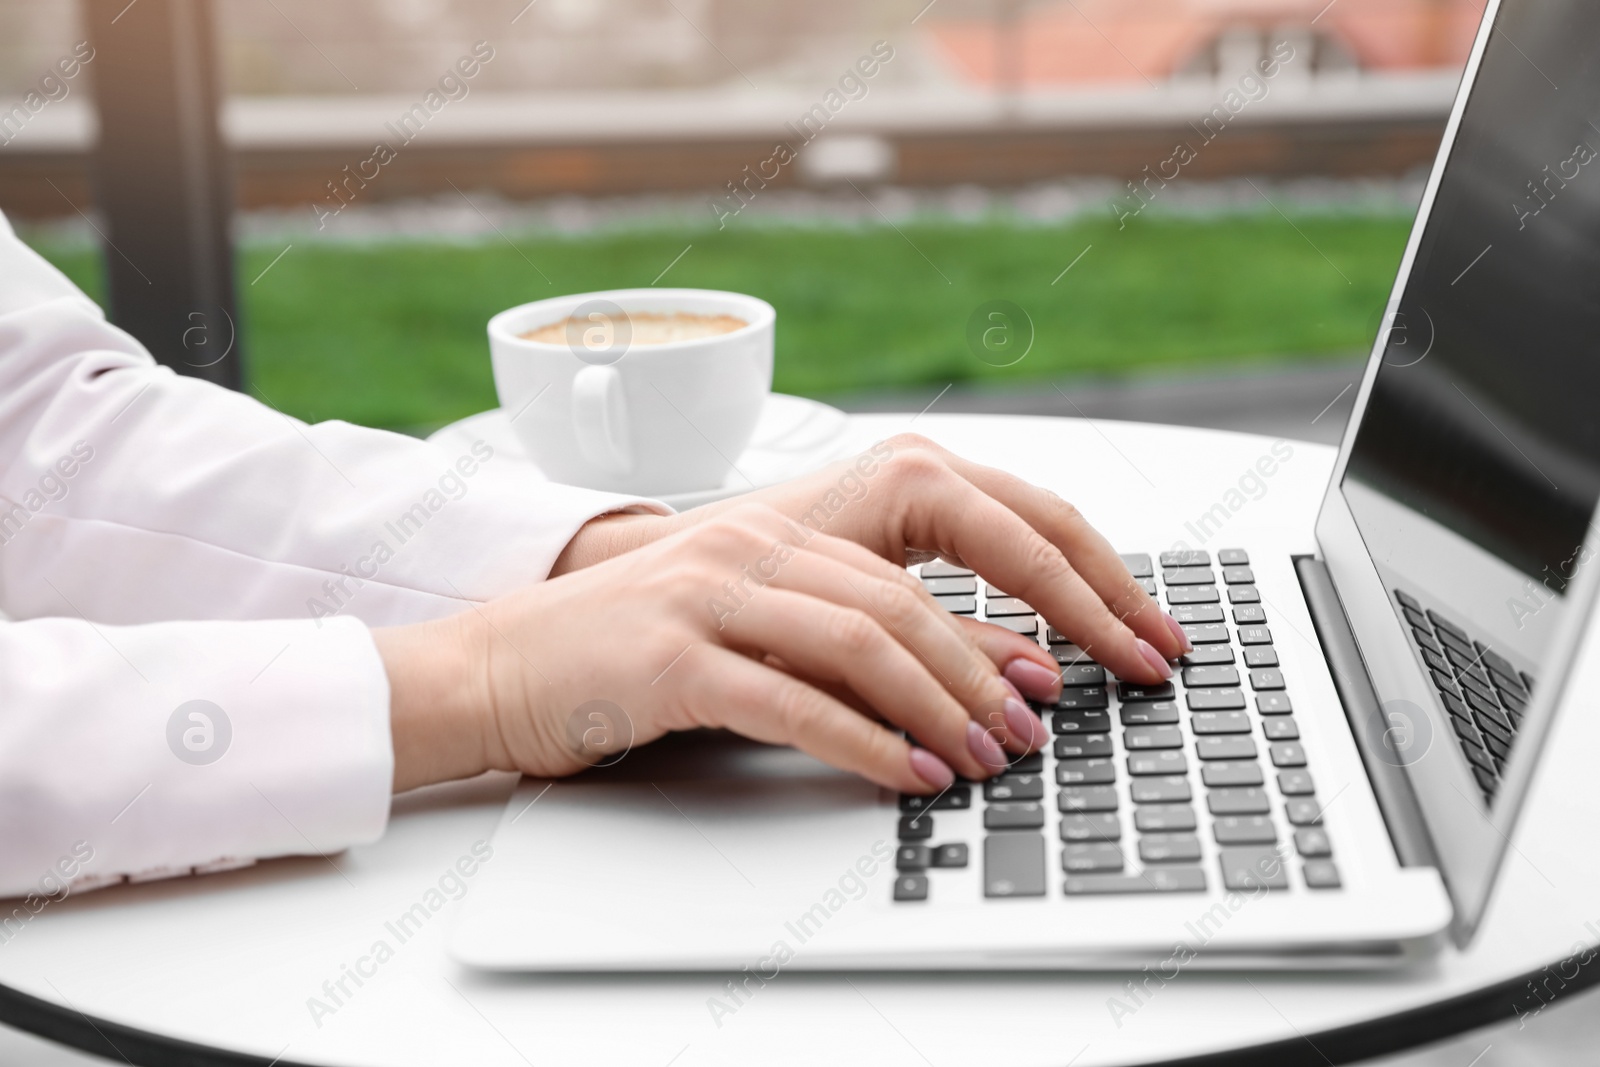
pixel 1023 724
pixel 984 748
pixel 1154 658
pixel 1177 631
pixel 931 768
pixel 1032 679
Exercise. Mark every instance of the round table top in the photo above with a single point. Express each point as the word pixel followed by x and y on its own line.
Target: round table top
pixel 223 968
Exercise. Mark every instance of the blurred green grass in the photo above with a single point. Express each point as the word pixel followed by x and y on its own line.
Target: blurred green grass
pixel 392 334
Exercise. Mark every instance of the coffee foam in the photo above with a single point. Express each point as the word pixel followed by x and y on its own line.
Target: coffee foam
pixel 647 328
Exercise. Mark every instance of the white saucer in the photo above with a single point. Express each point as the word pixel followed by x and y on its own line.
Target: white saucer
pixel 793 436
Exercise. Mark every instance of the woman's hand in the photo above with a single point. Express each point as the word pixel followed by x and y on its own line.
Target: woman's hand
pixel 787 616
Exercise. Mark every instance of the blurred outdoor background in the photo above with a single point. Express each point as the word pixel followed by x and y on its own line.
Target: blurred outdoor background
pixel 1015 150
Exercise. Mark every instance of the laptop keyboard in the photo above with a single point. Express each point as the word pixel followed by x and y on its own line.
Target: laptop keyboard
pixel 1113 799
pixel 1483 691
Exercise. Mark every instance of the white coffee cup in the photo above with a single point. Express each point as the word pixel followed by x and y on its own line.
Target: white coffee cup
pixel 602 412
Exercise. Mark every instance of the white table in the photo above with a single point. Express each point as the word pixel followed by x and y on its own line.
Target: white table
pixel 228 962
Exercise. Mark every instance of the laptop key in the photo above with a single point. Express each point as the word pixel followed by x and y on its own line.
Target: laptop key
pixel 1080 722
pixel 1191 594
pixel 1081 746
pixel 1188 576
pixel 912 857
pixel 1167 761
pixel 1015 787
pixel 1085 772
pixel 1312 841
pixel 1295 783
pixel 1186 557
pixel 1141 738
pixel 1486 781
pixel 1169 848
pixel 952 855
pixel 1238 576
pixel 1081 798
pixel 915 827
pixel 1252 868
pixel 1424 639
pixel 1091 826
pixel 938 568
pixel 1284 729
pixel 1266 678
pixel 1238 802
pixel 1219 675
pixel 1287 754
pixel 1244 830
pixel 1021 815
pixel 958 605
pixel 1082 698
pixel 1445 626
pixel 951 586
pixel 1013 865
pixel 1091 857
pixel 911 887
pixel 1076 674
pixel 1243 594
pixel 1249 615
pixel 1207 656
pixel 1260 656
pixel 1303 811
pixel 1417 619
pixel 1138 564
pixel 1214 699
pixel 1163 818
pixel 1128 692
pixel 1195 613
pixel 955 798
pixel 1026 625
pixel 1407 600
pixel 1219 722
pixel 1233 557
pixel 1154 880
pixel 1321 874
pixel 1207 633
pixel 1255 635
pixel 1273 703
pixel 1160 790
pixel 1009 605
pixel 1231 773
pixel 1155 713
pixel 1032 763
pixel 1225 747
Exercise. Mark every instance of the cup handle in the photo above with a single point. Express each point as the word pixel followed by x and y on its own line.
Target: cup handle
pixel 600 419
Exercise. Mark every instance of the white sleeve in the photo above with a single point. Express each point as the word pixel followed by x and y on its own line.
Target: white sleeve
pixel 130 497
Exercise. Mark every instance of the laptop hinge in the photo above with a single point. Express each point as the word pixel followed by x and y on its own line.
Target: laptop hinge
pixel 1390 783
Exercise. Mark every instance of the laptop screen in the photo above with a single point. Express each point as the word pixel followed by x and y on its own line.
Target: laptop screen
pixel 1484 415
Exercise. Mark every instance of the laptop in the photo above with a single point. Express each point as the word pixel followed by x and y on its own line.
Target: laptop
pixel 1331 778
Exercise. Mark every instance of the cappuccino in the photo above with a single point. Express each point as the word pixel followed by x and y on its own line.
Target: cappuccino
pixel 645 328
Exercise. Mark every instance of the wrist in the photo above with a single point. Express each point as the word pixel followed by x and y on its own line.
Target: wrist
pixel 608 535
pixel 436 700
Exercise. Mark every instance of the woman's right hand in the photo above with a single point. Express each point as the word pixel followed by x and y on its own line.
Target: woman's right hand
pixel 749 622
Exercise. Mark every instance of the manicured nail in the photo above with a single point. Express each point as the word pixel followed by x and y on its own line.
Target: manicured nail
pixel 1177 631
pixel 1154 658
pixel 1032 679
pixel 984 748
pixel 1023 724
pixel 931 768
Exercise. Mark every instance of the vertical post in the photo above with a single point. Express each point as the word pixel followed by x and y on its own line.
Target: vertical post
pixel 161 181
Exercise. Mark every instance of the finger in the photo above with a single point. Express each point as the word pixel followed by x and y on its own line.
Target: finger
pixel 941 508
pixel 899 604
pixel 752 699
pixel 1090 554
pixel 1031 669
pixel 1027 667
pixel 837 643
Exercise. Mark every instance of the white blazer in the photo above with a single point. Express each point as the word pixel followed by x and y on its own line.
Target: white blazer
pixel 189 682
